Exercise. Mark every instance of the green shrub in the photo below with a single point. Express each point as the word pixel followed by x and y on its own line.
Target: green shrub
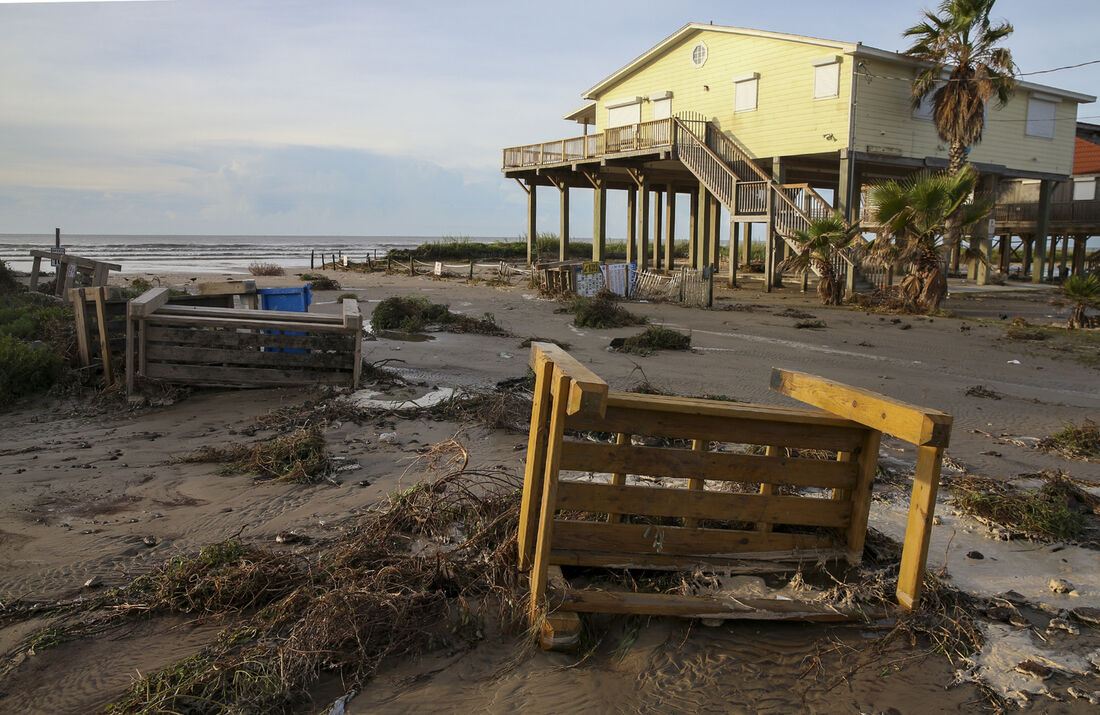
pixel 137 286
pixel 413 315
pixel 32 316
pixel 25 369
pixel 8 282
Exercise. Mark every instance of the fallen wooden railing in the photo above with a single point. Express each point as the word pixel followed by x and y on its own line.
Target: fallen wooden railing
pixel 649 525
pixel 68 267
pixel 198 345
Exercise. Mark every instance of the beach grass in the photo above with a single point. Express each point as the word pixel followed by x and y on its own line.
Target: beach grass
pixel 601 311
pixel 654 338
pixel 411 314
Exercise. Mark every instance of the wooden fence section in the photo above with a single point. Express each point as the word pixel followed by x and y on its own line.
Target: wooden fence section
pixel 695 507
pixel 68 268
pixel 238 347
pixel 99 316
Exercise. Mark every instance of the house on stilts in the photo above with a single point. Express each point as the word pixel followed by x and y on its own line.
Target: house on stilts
pixel 771 130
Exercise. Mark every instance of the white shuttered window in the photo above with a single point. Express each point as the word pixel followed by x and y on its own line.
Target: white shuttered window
pixel 662 108
pixel 744 92
pixel 624 115
pixel 826 77
pixel 1040 117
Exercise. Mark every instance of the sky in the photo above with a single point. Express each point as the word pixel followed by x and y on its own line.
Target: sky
pixel 342 117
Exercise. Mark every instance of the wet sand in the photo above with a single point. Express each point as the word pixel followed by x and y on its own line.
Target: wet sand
pixel 82 489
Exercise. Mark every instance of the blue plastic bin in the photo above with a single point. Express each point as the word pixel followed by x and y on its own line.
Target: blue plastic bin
pixel 293 299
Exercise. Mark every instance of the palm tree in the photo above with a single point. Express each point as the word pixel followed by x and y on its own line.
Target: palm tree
pixel 961 42
pixel 1084 291
pixel 914 214
pixel 818 246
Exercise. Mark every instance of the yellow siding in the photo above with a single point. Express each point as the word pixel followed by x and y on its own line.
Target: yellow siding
pixel 787 121
pixel 884 123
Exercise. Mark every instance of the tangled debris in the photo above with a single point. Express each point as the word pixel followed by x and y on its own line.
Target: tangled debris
pixel 1055 511
pixel 298 457
pixel 602 311
pixel 652 339
pixel 414 314
pixel 1075 442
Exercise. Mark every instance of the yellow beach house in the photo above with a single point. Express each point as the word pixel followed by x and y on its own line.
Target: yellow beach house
pixel 774 128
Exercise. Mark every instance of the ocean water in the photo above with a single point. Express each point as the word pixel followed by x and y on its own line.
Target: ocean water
pixel 203 254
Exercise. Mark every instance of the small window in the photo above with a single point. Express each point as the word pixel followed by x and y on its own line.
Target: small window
pixel 1084 189
pixel 662 108
pixel 826 77
pixel 624 114
pixel 744 92
pixel 1040 118
pixel 927 104
pixel 699 54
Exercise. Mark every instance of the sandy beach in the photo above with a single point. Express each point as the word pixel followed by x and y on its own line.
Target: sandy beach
pixel 91 492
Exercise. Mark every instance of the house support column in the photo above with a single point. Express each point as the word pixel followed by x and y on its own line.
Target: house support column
pixel 1079 244
pixel 769 247
pixel 563 225
pixel 1053 257
pixel 982 236
pixel 658 226
pixel 1027 242
pixel 1065 257
pixel 1042 230
pixel 670 228
pixel 702 230
pixel 631 222
pixel 746 248
pixel 846 197
pixel 642 249
pixel 1005 248
pixel 532 210
pixel 714 223
pixel 693 228
pixel 735 238
pixel 599 218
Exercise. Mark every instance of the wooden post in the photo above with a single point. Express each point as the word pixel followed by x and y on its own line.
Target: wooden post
pixel 599 221
pixel 532 210
pixel 643 225
pixel 693 229
pixel 658 225
pixel 631 222
pixel 618 479
pixel 100 297
pixel 412 267
pixel 1028 241
pixel 1065 255
pixel 82 335
pixel 560 391
pixel 769 246
pixel 714 231
pixel 470 277
pixel 1042 230
pixel 702 229
pixel 1053 257
pixel 861 495
pixel 130 366
pixel 746 250
pixel 768 489
pixel 533 471
pixel 563 243
pixel 735 239
pixel 918 530
pixel 36 268
pixel 312 254
pixel 697 445
pixel 670 228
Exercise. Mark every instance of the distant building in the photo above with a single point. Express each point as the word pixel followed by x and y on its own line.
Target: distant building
pixel 775 128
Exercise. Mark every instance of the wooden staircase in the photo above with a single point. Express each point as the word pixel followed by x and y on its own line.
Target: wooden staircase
pixel 747 191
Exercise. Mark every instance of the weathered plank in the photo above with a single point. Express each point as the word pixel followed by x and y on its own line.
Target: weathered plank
pixel 659 604
pixel 201 311
pixel 861 495
pixel 160 352
pixel 912 423
pixel 731 427
pixel 79 261
pixel 718 408
pixel 698 504
pixel 549 497
pixel 918 530
pixel 100 297
pixel 83 332
pixel 531 500
pixel 747 563
pixel 667 462
pixel 677 541
pixel 227 287
pixel 561 630
pixel 236 376
pixel 232 338
pixel 255 322
pixel 588 394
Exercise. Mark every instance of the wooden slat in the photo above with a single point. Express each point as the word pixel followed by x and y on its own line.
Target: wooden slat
pixel 721 409
pixel 236 376
pixel 227 287
pixel 747 563
pixel 549 497
pixel 588 394
pixel 100 297
pixel 697 504
pixel 158 352
pixel 258 322
pixel 83 334
pixel 861 496
pixel 912 423
pixel 201 311
pixel 677 541
pixel 746 428
pixel 663 462
pixel 233 338
pixel 659 604
pixel 617 478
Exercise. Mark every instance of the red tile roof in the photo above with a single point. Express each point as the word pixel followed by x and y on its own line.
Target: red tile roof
pixel 1086 158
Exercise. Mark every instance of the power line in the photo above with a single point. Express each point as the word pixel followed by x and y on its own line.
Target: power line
pixel 865 73
pixel 1059 69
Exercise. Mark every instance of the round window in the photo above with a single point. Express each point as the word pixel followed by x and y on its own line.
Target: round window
pixel 699 54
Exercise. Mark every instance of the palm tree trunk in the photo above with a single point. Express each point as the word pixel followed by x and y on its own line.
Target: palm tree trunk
pixel 952 233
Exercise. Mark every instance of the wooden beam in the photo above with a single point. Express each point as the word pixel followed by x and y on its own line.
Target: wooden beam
pixel 918 530
pixel 99 296
pixel 589 393
pixel 641 539
pixel 911 423
pixel 659 604
pixel 536 463
pixel 544 532
pixel 148 302
pixel 83 335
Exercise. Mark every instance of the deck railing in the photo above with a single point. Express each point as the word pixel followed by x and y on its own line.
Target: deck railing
pixel 632 137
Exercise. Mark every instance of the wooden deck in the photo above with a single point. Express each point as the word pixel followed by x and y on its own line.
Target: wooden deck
pixel 619 141
pixel 1068 218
